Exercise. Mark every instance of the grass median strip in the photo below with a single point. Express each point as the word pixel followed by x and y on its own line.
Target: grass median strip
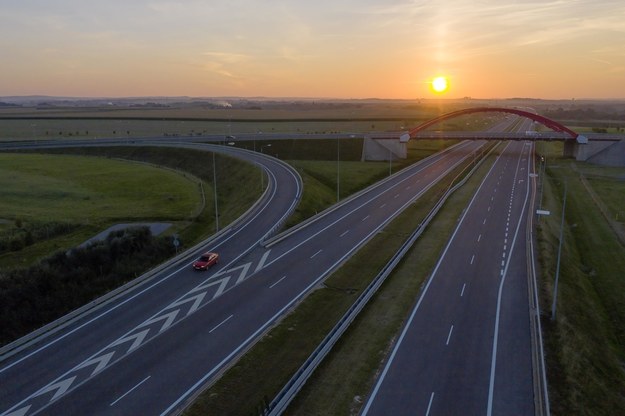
pixel 260 373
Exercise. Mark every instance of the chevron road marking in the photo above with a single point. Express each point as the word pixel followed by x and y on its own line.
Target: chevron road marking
pixel 135 338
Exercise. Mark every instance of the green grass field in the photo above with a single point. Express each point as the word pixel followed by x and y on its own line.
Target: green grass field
pixel 61 188
pixel 87 194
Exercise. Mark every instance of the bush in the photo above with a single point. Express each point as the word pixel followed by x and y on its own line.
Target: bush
pixel 32 297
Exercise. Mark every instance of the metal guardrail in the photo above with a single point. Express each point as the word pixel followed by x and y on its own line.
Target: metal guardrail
pixel 268 243
pixel 541 391
pixel 279 404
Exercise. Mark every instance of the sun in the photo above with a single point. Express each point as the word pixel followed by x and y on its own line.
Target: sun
pixel 440 84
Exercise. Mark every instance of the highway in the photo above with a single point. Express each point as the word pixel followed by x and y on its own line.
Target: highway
pixel 466 347
pixel 149 350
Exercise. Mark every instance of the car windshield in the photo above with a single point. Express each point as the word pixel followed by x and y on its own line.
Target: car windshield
pixel 204 258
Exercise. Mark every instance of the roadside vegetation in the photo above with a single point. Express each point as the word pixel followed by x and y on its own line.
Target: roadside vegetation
pixel 586 342
pixel 33 296
pixel 52 203
pixel 56 202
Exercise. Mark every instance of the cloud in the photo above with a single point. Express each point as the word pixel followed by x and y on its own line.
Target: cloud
pixel 227 57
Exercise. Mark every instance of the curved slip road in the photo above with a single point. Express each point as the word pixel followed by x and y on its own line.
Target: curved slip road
pixel 168 338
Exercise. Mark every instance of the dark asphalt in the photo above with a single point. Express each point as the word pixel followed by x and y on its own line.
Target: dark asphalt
pixel 465 349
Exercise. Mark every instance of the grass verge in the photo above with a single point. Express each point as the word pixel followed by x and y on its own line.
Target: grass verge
pixel 58 201
pixel 235 191
pixel 585 345
pixel 264 369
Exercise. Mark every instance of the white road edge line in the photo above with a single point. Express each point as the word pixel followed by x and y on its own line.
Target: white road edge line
pixel 130 391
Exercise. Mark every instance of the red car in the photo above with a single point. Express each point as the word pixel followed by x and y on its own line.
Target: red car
pixel 205 261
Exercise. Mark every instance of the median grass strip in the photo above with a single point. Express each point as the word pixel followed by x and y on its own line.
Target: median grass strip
pixel 585 345
pixel 264 369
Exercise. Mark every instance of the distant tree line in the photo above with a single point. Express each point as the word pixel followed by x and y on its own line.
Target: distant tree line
pixel 43 292
pixel 585 113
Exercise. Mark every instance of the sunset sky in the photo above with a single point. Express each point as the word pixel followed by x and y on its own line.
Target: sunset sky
pixel 313 48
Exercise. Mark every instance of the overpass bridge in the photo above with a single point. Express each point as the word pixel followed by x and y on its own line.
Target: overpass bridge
pixel 596 148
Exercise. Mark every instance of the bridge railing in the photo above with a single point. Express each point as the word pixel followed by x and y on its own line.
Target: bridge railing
pixel 487 135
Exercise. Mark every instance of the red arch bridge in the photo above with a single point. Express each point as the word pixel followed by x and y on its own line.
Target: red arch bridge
pixel 385 145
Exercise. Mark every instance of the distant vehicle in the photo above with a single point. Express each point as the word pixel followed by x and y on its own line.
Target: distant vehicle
pixel 230 137
pixel 205 261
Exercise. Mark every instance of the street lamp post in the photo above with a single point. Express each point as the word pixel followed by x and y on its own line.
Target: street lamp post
pixel 338 170
pixel 555 287
pixel 262 185
pixel 541 178
pixel 215 189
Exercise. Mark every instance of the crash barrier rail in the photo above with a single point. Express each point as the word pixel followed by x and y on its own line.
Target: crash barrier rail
pixel 268 243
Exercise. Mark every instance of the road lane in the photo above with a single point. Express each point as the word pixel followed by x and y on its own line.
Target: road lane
pixel 466 346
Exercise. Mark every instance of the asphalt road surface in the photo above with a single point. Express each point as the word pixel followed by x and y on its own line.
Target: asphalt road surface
pixel 466 347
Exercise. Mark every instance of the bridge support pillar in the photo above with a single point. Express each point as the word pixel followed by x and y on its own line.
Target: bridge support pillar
pixel 570 148
pixel 385 148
